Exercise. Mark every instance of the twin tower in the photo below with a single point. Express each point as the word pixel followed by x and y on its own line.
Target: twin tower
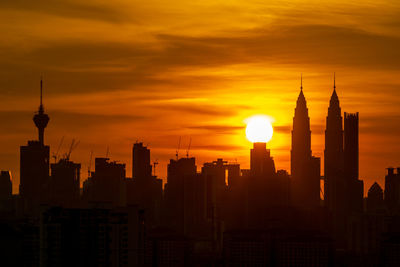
pixel 342 190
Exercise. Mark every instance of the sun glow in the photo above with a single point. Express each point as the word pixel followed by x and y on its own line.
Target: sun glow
pixel 259 129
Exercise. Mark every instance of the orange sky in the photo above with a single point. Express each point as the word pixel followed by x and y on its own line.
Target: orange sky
pixel 120 71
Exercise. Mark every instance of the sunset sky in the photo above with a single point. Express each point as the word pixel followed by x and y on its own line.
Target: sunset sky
pixel 120 71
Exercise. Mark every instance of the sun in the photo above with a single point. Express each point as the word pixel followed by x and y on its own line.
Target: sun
pixel 259 129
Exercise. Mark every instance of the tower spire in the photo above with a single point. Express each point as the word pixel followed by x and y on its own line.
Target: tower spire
pixel 41 90
pixel 41 119
pixel 334 81
pixel 41 109
pixel 301 81
pixel 301 100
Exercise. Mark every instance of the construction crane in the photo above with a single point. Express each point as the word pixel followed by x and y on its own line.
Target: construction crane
pixel 179 146
pixel 71 148
pixel 155 163
pixel 55 155
pixel 187 151
pixel 90 163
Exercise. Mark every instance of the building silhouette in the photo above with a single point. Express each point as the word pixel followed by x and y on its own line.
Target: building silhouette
pixel 65 183
pixel 5 185
pixel 354 186
pixel 185 197
pixel 277 248
pixel 267 191
pixel 351 145
pixel 218 174
pixel 164 247
pixel 333 157
pixel 375 201
pixel 392 190
pixel 141 167
pixel 92 237
pixel 143 189
pixel 305 169
pixel 220 216
pixel 34 165
pixel 5 192
pixel 106 186
pixel 261 162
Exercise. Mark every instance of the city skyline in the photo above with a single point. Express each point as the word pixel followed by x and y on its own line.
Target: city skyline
pixel 183 144
pixel 115 69
pixel 200 133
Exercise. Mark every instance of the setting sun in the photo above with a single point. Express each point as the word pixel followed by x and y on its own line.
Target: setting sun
pixel 259 129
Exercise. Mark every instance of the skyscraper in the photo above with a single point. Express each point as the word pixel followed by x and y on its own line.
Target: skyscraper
pixel 375 199
pixel 65 183
pixel 301 136
pixel 351 145
pixel 267 190
pixel 144 189
pixel 305 169
pixel 333 160
pixel 354 186
pixel 343 189
pixel 5 185
pixel 5 191
pixel 141 167
pixel 34 164
pixel 335 182
pixel 185 197
pixel 261 162
pixel 106 186
pixel 392 190
pixel 41 119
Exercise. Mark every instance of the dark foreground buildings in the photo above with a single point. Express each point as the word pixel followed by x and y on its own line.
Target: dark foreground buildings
pixel 221 215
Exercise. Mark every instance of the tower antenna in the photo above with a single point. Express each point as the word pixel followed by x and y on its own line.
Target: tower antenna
pixel 41 91
pixel 41 119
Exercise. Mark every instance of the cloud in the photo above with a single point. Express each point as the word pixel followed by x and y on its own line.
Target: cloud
pixel 218 147
pixel 19 123
pixel 283 128
pixel 87 66
pixel 69 9
pixel 386 125
pixel 197 109
pixel 225 129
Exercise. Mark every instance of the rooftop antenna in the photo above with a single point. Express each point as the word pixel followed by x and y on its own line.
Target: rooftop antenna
pixel 155 163
pixel 55 155
pixel 179 146
pixel 90 163
pixel 187 151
